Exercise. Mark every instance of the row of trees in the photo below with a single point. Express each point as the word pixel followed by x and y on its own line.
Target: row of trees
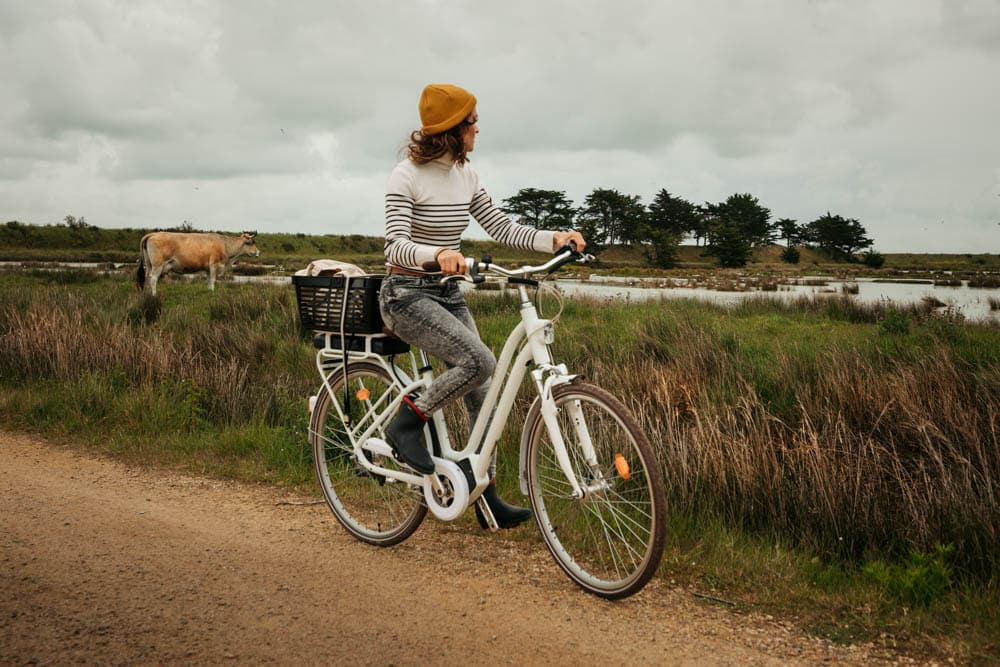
pixel 729 230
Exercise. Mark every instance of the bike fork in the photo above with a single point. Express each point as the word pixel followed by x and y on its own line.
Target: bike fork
pixel 550 416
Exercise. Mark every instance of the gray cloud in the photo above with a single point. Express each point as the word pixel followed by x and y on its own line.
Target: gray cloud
pixel 290 115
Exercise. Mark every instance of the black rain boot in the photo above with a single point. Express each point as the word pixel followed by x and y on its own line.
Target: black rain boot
pixel 507 515
pixel 406 436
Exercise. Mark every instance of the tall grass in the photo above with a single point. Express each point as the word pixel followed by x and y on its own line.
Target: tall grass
pixel 860 432
pixel 176 379
pixel 813 420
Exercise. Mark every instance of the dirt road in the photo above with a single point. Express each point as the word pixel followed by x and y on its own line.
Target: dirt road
pixel 108 564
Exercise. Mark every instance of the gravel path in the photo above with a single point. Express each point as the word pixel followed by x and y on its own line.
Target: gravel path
pixel 109 564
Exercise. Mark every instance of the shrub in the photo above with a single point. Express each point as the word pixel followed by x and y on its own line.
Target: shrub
pixel 791 255
pixel 873 259
pixel 984 281
pixel 894 322
pixel 192 404
pixel 919 581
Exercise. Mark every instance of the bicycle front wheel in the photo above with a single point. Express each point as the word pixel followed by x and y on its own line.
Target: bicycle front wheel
pixel 610 541
pixel 374 509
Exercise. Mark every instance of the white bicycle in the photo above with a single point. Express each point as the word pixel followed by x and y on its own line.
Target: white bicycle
pixel 595 487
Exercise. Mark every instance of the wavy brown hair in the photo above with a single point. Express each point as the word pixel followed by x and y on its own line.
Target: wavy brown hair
pixel 426 148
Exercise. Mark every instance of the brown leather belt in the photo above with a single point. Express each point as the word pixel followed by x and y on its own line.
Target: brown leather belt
pixel 396 271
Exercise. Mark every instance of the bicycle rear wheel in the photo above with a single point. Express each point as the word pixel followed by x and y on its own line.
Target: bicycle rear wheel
pixel 372 508
pixel 610 541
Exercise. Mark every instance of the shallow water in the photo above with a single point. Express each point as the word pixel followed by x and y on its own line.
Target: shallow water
pixel 972 302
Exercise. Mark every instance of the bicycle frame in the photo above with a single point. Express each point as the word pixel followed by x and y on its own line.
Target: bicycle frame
pixel 528 342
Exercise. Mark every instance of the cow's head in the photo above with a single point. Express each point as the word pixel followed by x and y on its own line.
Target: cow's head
pixel 250 243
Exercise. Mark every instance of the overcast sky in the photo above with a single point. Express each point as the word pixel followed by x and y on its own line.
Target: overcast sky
pixel 288 116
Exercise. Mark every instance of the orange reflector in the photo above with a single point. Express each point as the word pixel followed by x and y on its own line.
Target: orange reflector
pixel 621 465
pixel 363 394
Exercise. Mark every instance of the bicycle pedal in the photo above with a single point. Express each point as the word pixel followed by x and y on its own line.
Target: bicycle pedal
pixel 404 465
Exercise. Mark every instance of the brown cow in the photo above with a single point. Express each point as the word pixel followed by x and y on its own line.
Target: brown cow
pixel 162 252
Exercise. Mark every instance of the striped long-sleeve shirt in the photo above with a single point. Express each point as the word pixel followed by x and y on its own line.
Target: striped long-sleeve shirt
pixel 427 208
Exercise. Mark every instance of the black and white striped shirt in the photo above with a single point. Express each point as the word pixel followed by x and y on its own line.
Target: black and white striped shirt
pixel 427 208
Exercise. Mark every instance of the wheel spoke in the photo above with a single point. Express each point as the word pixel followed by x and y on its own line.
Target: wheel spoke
pixel 610 541
pixel 333 443
pixel 372 508
pixel 621 539
pixel 622 516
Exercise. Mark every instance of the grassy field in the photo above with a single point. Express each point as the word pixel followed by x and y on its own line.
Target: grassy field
pixel 828 462
pixel 285 253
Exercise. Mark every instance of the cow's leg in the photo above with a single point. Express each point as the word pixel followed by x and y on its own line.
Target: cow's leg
pixel 211 277
pixel 156 271
pixel 154 276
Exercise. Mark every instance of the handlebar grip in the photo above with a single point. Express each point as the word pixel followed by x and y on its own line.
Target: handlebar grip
pixel 434 267
pixel 570 248
pixel 572 255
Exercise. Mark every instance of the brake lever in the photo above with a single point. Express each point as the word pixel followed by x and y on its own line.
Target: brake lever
pixel 476 280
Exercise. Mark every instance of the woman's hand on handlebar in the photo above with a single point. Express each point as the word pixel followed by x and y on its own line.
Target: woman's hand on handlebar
pixel 452 262
pixel 560 239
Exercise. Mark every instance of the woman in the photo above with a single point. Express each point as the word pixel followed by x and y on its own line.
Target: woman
pixel 429 198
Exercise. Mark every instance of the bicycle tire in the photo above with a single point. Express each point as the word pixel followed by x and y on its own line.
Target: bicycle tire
pixel 611 541
pixel 373 509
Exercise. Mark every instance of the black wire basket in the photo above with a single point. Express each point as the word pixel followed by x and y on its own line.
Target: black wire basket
pixel 322 306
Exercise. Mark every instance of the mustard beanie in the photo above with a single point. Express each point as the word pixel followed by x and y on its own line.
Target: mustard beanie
pixel 443 106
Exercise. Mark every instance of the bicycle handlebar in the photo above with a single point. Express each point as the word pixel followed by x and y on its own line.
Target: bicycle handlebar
pixel 563 256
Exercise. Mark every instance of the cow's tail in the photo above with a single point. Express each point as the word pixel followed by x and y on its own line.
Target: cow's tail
pixel 140 272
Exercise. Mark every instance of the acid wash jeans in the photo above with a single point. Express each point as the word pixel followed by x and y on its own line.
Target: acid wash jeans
pixel 436 319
